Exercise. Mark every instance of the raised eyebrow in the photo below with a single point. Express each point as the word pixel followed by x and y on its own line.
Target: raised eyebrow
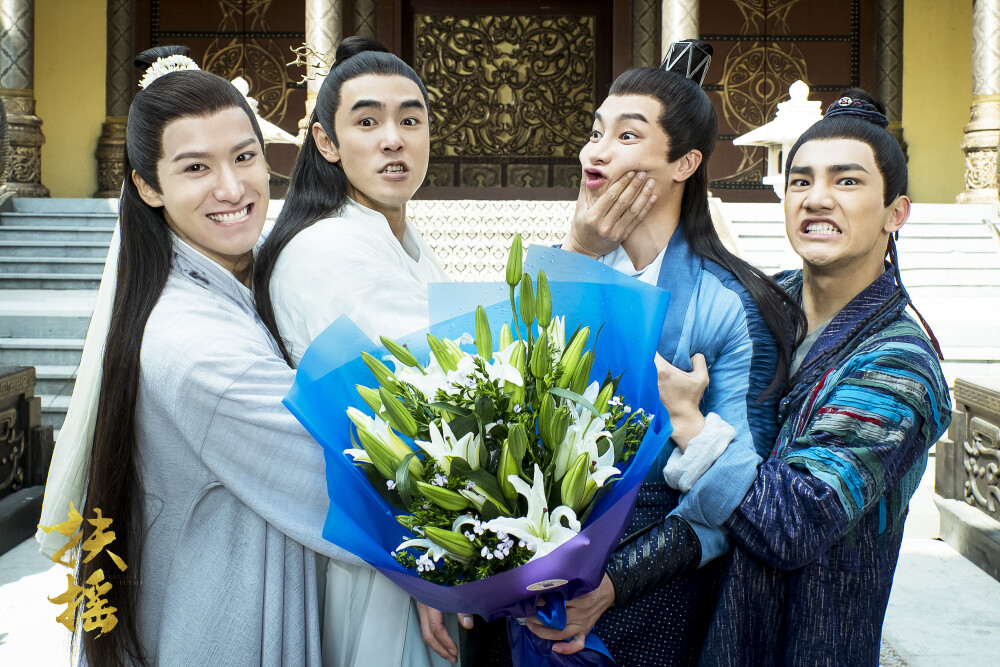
pixel 805 171
pixel 413 104
pixel 632 116
pixel 367 104
pixel 244 144
pixel 851 166
pixel 201 155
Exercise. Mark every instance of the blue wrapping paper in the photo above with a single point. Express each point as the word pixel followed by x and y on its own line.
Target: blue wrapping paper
pixel 630 317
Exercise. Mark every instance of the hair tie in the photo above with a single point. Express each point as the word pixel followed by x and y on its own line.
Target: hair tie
pixel 849 106
pixel 690 58
pixel 164 66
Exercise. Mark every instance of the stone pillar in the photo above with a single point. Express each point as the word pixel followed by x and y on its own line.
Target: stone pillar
pixel 119 90
pixel 679 21
pixel 17 80
pixel 645 35
pixel 889 62
pixel 364 18
pixel 323 33
pixel 983 130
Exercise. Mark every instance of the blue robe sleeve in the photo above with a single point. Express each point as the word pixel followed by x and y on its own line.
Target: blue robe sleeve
pixel 723 335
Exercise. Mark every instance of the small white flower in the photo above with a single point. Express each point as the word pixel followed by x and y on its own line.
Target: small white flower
pixel 161 66
pixel 628 409
pixel 390 484
pixel 517 409
pixel 440 480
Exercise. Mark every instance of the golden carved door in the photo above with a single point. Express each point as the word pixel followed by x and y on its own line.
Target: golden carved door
pixel 513 89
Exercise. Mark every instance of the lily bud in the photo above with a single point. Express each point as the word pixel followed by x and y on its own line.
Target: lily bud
pixel 383 458
pixel 607 391
pixel 543 301
pixel 380 371
pixel 397 415
pixel 517 361
pixel 444 498
pixel 508 466
pixel 517 438
pixel 560 425
pixel 571 357
pixel 484 339
pixel 546 413
pixel 581 376
pixel 455 543
pixel 527 302
pixel 574 483
pixel 370 397
pixel 541 359
pixel 506 337
pixel 404 356
pixel 514 261
pixel 441 353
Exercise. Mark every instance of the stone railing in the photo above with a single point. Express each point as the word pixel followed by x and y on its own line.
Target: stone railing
pixel 25 453
pixel 967 470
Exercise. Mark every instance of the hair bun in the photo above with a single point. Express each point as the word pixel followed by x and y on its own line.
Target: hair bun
pixel 356 44
pixel 150 56
pixel 690 58
pixel 858 103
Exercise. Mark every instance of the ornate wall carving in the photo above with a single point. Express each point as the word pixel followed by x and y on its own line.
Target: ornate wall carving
pixel 512 97
pixel 975 474
pixel 472 237
pixel 119 90
pixel 24 136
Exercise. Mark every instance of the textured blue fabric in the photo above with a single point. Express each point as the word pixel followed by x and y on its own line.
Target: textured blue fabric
pixel 818 534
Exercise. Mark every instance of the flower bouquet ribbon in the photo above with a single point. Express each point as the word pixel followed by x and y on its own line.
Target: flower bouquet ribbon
pixel 445 475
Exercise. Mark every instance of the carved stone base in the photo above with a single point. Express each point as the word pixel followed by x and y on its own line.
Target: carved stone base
pixel 25 139
pixel 111 157
pixel 980 146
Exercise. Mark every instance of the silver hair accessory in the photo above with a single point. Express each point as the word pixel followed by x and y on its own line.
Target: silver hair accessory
pixel 161 66
pixel 690 58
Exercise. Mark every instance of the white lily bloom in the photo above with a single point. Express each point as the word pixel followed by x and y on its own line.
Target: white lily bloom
pixel 444 446
pixel 435 551
pixel 428 384
pixel 500 369
pixel 379 430
pixel 542 529
pixel 359 455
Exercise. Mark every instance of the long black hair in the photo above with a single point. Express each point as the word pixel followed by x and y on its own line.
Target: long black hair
pixel 319 188
pixel 691 123
pixel 115 485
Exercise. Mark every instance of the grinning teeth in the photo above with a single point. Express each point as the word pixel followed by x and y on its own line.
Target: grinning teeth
pixel 821 228
pixel 229 217
pixel 394 169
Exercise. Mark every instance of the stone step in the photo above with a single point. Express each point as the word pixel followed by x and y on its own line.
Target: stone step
pixel 54 248
pixel 99 220
pixel 42 325
pixel 54 281
pixel 48 265
pixel 40 351
pixel 62 233
pixel 61 206
pixel 55 380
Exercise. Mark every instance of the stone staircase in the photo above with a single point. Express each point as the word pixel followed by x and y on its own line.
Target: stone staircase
pixel 52 253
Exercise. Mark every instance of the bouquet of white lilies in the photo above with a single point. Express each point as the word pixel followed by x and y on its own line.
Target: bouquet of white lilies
pixel 495 460
pixel 513 443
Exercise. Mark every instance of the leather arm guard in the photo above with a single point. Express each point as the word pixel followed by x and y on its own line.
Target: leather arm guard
pixel 653 557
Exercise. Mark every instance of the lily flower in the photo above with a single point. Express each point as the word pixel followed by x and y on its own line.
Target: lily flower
pixel 541 529
pixel 503 366
pixel 444 446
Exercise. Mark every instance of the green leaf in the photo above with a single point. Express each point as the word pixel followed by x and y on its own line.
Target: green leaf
pixel 490 511
pixel 454 409
pixel 575 397
pixel 463 425
pixel 618 441
pixel 404 485
pixel 485 409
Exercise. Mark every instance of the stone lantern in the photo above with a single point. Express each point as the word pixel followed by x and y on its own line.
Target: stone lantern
pixel 793 118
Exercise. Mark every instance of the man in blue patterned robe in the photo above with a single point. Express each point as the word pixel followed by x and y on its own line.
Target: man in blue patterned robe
pixel 818 534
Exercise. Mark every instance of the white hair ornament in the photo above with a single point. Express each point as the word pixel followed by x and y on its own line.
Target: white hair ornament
pixel 162 66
